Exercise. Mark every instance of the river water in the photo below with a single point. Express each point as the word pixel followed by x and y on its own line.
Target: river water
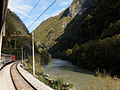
pixel 80 78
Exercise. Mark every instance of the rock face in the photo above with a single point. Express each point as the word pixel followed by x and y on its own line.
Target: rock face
pixel 75 8
pixel 79 6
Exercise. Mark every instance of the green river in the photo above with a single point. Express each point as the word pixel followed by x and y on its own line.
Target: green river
pixel 80 78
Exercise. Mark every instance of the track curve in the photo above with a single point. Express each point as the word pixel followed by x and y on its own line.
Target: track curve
pixel 20 83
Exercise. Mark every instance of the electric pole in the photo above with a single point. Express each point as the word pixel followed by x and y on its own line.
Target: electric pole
pixel 22 53
pixel 1 37
pixel 33 50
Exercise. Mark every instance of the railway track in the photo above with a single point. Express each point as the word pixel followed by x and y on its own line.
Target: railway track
pixel 20 83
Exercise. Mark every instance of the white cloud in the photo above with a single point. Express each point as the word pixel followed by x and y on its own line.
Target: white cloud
pixel 65 2
pixel 57 12
pixel 19 7
pixel 23 7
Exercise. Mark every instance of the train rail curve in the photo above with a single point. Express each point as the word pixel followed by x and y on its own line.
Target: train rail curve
pixel 20 83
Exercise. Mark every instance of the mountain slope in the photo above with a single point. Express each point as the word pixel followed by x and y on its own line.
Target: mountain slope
pixel 12 44
pixel 93 28
pixel 13 22
pixel 50 30
pixel 18 40
pixel 47 33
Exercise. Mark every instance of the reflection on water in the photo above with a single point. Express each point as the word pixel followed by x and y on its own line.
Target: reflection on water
pixel 80 78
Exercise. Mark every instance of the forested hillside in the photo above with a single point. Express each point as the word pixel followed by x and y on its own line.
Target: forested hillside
pixel 15 37
pixel 50 30
pixel 90 38
pixel 17 40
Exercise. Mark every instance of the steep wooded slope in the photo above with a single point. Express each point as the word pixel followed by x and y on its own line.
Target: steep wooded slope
pixel 12 44
pixel 91 38
pixel 18 37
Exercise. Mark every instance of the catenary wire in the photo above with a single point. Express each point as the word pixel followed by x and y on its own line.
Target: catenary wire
pixel 43 12
pixel 32 9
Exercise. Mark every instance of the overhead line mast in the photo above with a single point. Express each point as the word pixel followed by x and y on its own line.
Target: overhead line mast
pixel 33 32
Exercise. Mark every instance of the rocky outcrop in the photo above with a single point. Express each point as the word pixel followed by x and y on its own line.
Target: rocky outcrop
pixel 78 7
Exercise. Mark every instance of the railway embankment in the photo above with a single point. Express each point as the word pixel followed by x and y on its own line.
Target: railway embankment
pixel 35 82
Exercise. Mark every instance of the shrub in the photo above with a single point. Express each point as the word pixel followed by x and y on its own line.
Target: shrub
pixel 113 29
pixel 45 57
pixel 29 65
pixel 103 54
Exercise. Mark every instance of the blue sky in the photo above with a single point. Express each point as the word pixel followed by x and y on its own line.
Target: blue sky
pixel 23 7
